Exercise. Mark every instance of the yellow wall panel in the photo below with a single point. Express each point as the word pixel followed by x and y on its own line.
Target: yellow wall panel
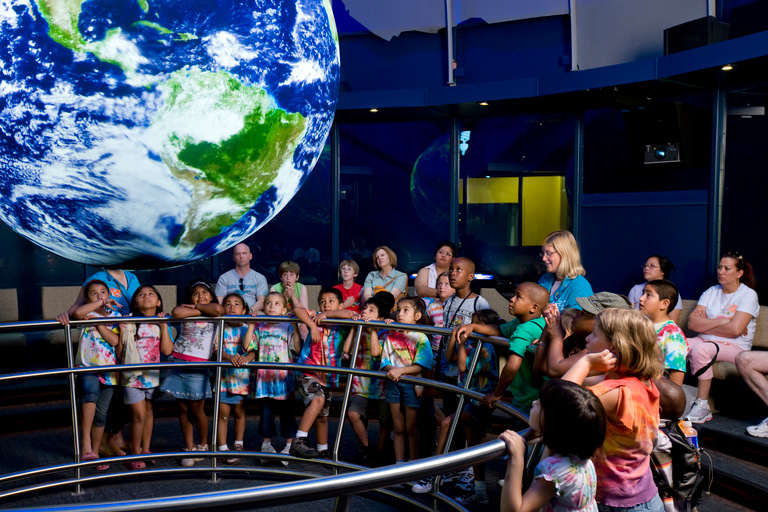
pixel 492 190
pixel 544 207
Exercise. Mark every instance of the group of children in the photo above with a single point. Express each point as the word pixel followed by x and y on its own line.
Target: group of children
pixel 609 347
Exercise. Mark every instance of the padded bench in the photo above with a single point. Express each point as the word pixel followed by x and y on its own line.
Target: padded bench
pixel 9 312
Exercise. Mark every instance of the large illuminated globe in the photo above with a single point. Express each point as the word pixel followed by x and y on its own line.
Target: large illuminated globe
pixel 152 133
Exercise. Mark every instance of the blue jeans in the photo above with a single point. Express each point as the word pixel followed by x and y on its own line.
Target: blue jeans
pixel 653 505
pixel 283 408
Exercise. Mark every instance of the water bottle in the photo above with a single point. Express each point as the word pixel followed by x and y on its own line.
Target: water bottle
pixel 690 433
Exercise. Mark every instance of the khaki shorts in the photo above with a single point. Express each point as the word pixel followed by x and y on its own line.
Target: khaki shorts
pixel 310 388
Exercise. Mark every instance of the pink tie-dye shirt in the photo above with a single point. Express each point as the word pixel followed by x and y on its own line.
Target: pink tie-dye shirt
pixel 623 462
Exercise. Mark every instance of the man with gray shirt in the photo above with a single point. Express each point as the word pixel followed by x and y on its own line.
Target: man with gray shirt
pixel 243 281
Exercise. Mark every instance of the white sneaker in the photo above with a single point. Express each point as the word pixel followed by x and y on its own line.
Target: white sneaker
pixel 191 461
pixel 760 430
pixel 267 448
pixel 234 460
pixel 423 485
pixel 699 412
pixel 285 451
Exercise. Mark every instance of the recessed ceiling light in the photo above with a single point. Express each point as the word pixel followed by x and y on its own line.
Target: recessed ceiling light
pixel 374 110
pixel 483 103
pixel 727 67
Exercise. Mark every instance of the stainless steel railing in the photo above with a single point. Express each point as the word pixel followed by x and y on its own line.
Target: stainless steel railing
pixel 340 486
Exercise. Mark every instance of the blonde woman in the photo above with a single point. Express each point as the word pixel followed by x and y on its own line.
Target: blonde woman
pixel 565 276
pixel 386 276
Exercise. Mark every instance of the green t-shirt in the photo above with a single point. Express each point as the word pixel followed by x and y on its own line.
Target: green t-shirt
pixel 525 386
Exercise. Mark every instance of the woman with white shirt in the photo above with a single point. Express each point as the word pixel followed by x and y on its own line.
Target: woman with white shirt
pixel 725 319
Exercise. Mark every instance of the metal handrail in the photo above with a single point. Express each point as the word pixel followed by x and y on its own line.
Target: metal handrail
pixel 380 477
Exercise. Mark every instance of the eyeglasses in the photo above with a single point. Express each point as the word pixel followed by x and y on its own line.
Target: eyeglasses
pixel 241 285
pixel 734 255
pixel 548 254
pixel 649 266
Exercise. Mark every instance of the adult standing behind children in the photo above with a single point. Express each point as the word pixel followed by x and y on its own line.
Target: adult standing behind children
pixel 564 279
pixel 243 280
pixel 121 285
pixel 385 277
pixel 426 280
pixel 725 320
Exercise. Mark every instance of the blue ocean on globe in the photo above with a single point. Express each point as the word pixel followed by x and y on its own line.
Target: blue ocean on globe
pixel 153 133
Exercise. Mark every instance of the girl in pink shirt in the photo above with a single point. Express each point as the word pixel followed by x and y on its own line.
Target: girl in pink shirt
pixel 623 343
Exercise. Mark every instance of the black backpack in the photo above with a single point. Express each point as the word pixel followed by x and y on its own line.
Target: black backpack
pixel 688 483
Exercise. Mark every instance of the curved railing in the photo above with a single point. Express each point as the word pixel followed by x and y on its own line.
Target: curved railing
pixel 339 486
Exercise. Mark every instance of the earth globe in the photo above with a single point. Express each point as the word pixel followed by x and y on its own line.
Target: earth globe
pixel 153 133
pixel 430 189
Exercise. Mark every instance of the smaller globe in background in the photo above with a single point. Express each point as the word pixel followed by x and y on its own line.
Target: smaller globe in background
pixel 430 184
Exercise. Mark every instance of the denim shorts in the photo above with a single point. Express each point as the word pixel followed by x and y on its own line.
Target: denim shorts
pixel 653 505
pixel 402 393
pixel 136 395
pixel 230 398
pixel 481 415
pixel 186 384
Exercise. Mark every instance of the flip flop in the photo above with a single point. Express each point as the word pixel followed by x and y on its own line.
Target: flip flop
pixel 103 467
pixel 88 456
pixel 135 465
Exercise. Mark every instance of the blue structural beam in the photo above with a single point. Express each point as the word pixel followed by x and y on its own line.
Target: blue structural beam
pixel 715 55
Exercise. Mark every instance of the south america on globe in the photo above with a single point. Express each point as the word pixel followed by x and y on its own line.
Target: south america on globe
pixel 153 133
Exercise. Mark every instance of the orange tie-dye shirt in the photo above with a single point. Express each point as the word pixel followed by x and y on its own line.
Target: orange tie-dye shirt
pixel 623 462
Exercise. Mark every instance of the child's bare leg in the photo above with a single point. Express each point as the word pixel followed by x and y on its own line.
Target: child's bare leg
pixel 474 437
pixel 88 413
pixel 445 426
pixel 97 433
pixel 398 422
pixel 321 429
pixel 197 408
pixel 149 425
pixel 138 417
pixel 358 427
pixel 412 428
pixel 239 415
pixel 311 412
pixel 221 435
pixel 187 430
pixel 384 434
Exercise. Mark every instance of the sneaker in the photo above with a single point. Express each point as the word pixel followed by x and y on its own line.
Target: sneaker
pixel 760 430
pixel 423 485
pixel 234 460
pixel 300 449
pixel 325 454
pixel 285 451
pixel 472 497
pixel 699 412
pixel 191 461
pixel 465 475
pixel 267 448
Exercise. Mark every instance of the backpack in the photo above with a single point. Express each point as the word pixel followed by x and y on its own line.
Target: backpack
pixel 687 483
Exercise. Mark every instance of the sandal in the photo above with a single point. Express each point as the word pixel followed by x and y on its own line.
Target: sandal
pixel 135 465
pixel 151 462
pixel 103 467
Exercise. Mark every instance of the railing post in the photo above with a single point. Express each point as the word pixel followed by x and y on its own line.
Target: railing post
pixel 216 400
pixel 345 403
pixel 460 406
pixel 73 403
pixel 342 503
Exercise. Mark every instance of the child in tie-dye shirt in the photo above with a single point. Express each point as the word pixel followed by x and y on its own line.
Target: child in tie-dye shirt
pixel 623 343
pixel 406 353
pixel 140 388
pixel 273 343
pixel 235 384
